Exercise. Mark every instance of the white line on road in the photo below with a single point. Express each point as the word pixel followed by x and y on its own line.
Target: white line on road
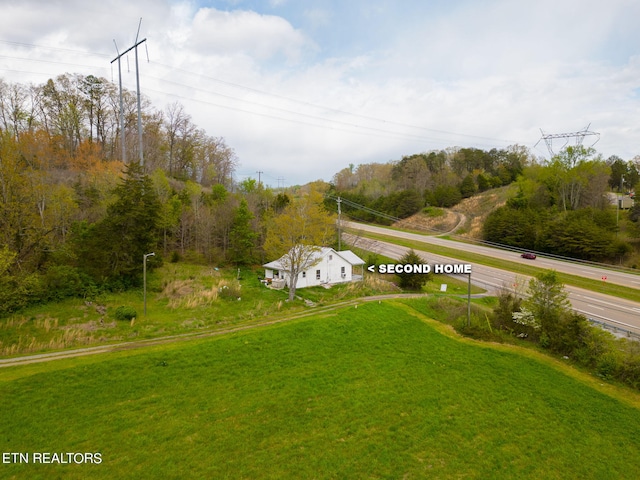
pixel 593 306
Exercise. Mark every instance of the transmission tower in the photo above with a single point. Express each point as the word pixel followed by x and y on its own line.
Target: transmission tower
pixel 579 137
pixel 135 48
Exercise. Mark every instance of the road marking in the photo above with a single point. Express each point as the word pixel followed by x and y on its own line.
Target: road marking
pixel 593 306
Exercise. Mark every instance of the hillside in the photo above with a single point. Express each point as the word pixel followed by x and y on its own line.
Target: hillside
pixel 464 219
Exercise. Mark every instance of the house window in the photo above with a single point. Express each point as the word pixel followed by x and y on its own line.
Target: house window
pixel 304 274
pixel 330 257
pixel 343 270
pixel 317 274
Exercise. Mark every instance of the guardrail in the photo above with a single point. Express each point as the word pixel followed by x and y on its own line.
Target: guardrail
pixel 616 330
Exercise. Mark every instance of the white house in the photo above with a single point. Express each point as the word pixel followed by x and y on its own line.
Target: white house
pixel 327 267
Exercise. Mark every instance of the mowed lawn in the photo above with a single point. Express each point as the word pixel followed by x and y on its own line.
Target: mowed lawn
pixel 370 392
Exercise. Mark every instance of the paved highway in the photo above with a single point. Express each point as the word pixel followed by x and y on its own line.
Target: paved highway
pixel 586 271
pixel 613 311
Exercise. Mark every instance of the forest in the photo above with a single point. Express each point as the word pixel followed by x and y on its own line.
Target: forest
pixel 76 219
pixel 563 206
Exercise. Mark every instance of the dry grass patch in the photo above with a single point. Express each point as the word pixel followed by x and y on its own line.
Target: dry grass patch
pixel 192 294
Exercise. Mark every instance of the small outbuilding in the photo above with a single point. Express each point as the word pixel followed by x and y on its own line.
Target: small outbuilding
pixel 327 267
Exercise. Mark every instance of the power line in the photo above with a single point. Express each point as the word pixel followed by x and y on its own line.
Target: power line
pixel 59 49
pixel 386 122
pixel 330 109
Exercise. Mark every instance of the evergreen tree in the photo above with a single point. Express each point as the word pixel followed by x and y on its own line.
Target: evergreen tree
pixel 242 237
pixel 412 281
pixel 113 248
pixel 468 186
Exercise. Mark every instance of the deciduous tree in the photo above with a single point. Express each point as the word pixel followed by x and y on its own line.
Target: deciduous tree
pixel 296 235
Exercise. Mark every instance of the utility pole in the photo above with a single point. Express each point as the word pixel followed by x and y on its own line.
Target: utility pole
pixel 122 141
pixel 138 91
pixel 259 173
pixel 144 263
pixel 134 47
pixel 469 302
pixel 621 186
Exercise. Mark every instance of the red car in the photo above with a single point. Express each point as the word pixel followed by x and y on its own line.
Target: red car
pixel 529 255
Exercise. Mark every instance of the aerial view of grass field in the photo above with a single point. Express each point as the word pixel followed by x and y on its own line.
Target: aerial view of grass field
pixel 374 391
pixel 319 240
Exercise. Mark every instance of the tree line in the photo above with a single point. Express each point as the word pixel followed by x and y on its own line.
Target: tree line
pixel 75 219
pixel 566 206
pixel 75 117
pixel 439 178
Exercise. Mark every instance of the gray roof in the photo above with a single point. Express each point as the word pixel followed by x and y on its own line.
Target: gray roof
pixel 351 257
pixel 346 255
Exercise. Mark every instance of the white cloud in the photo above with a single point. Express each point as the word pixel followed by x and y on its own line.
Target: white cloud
pixel 500 69
pixel 246 32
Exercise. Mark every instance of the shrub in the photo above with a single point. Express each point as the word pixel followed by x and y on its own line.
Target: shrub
pixel 125 313
pixel 62 281
pixel 608 365
pixel 229 290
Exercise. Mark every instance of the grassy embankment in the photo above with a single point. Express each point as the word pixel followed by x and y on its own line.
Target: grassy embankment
pixel 181 299
pixel 377 391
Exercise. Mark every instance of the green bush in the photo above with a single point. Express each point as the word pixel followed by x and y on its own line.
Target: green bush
pixel 62 281
pixel 433 211
pixel 125 312
pixel 608 365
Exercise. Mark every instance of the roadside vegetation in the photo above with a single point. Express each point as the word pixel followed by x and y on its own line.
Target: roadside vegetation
pixel 542 319
pixel 566 205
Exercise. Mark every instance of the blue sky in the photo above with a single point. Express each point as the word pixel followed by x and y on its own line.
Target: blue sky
pixel 300 89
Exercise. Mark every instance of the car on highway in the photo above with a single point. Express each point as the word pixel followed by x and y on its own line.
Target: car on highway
pixel 529 255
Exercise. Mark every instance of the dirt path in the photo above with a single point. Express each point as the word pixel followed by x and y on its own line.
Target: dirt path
pixel 116 347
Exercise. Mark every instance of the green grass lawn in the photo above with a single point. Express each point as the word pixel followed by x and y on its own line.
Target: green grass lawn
pixel 370 392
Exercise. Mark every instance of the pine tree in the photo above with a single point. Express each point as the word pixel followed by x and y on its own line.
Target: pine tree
pixel 113 248
pixel 412 281
pixel 242 237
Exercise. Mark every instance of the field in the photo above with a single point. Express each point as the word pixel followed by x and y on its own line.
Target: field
pixel 182 299
pixel 377 391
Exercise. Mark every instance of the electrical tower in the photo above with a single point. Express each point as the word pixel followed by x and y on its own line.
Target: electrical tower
pixel 579 136
pixel 135 48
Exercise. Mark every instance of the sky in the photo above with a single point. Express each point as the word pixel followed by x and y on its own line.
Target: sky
pixel 301 89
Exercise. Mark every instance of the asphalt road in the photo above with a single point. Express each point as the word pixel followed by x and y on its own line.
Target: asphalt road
pixel 615 312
